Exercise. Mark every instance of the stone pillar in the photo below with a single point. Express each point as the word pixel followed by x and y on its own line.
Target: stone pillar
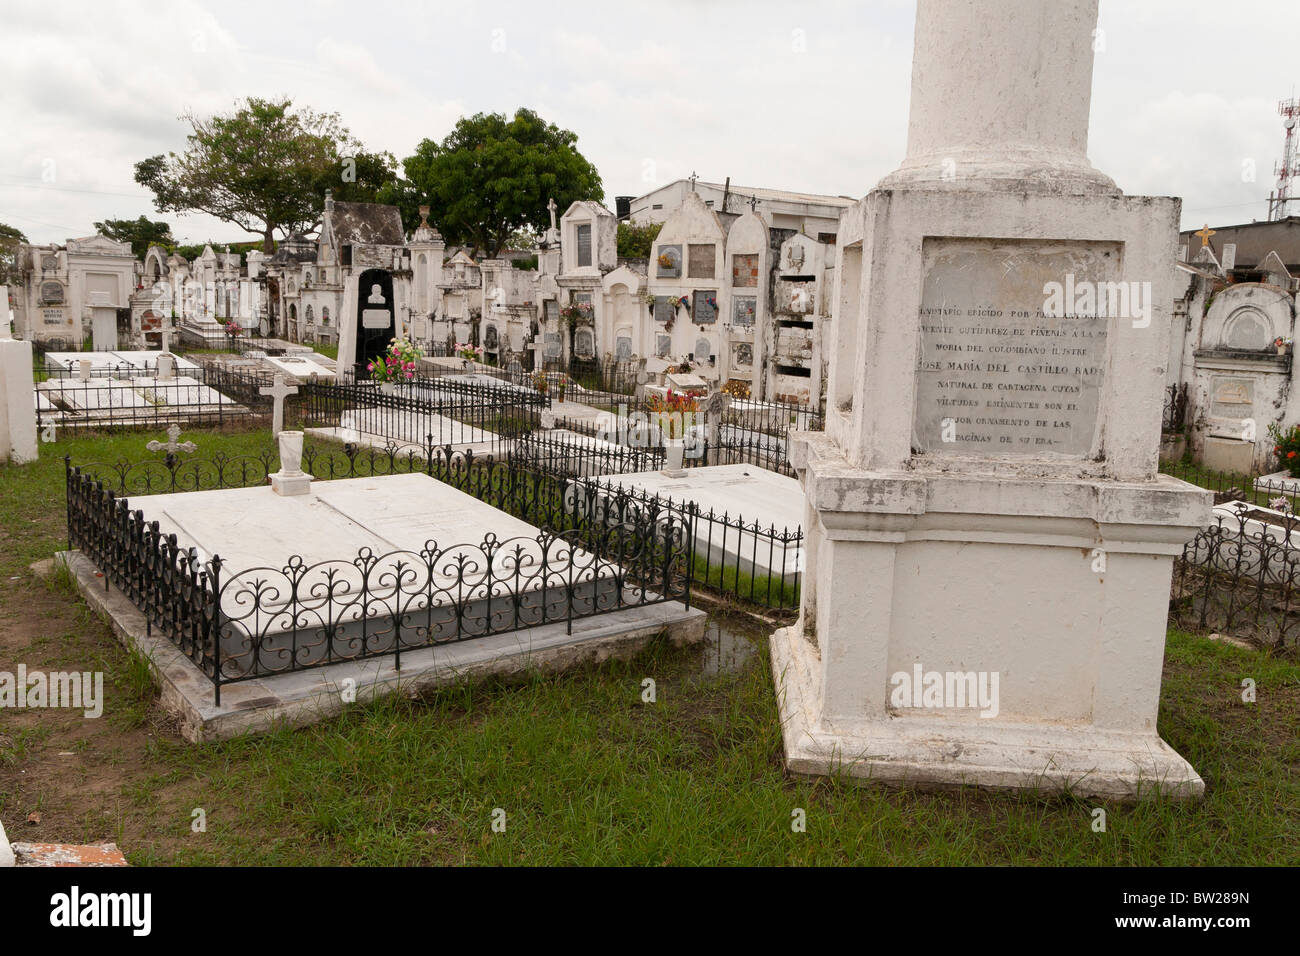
pixel 1001 92
pixel 984 511
pixel 17 409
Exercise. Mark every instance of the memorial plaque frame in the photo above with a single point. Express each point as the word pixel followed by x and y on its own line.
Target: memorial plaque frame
pixel 998 373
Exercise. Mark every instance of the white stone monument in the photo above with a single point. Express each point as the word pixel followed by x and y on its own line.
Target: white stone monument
pixel 291 479
pixel 279 390
pixel 17 410
pixel 989 544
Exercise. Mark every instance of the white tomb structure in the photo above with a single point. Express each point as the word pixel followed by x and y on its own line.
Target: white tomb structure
pixel 989 544
pixel 17 411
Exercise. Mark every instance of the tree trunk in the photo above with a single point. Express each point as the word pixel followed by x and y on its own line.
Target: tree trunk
pixel 268 240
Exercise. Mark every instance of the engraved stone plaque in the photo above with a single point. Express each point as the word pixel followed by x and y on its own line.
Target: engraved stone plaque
pixel 1232 398
pixel 1012 345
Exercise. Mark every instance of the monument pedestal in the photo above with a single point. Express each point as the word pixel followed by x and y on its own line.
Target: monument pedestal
pixel 989 542
pixel 1049 597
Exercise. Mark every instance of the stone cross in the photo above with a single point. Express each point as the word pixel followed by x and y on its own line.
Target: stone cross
pixel 550 207
pixel 279 390
pixel 172 446
pixel 166 332
pixel 694 176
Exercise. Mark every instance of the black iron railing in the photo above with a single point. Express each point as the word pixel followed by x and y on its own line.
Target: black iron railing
pixel 1174 417
pixel 1241 576
pixel 436 412
pixel 603 552
pixel 734 557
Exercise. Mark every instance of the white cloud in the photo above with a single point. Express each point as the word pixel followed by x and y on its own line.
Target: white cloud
pixel 1182 94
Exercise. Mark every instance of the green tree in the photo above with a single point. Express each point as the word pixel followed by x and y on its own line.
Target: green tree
pixel 141 233
pixel 265 168
pixel 492 176
pixel 636 241
pixel 10 237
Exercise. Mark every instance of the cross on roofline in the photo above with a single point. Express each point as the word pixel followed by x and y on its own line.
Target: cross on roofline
pixel 1205 234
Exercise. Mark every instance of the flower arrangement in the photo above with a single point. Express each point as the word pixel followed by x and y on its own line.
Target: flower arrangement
pixel 1286 446
pixel 1280 503
pixel 397 364
pixel 649 299
pixel 665 260
pixel 672 412
pixel 472 352
pixel 539 381
pixel 576 313
pixel 736 388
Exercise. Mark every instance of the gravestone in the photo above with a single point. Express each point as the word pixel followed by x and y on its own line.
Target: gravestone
pixel 989 543
pixel 375 327
pixel 17 410
pixel 279 390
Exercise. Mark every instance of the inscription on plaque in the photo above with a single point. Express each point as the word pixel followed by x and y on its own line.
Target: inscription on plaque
pixel 1232 398
pixel 1001 369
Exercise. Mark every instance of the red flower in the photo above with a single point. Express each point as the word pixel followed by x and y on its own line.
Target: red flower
pixel 1290 454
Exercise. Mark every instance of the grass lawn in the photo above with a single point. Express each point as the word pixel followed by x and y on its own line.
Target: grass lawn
pixel 584 771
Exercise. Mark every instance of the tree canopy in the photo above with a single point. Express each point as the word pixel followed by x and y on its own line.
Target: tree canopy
pixel 265 168
pixel 635 241
pixel 10 237
pixel 492 176
pixel 141 233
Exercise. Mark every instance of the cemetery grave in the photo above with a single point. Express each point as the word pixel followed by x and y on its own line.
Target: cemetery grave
pixel 303 585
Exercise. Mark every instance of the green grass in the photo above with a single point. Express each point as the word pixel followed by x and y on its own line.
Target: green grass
pixel 586 773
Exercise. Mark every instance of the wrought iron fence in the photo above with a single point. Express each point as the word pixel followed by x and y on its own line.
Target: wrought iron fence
pixel 1175 408
pixel 134 397
pixel 1230 486
pixel 1241 576
pixel 734 558
pixel 423 412
pixel 610 552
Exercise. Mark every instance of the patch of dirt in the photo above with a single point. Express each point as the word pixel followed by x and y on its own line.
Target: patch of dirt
pixel 57 766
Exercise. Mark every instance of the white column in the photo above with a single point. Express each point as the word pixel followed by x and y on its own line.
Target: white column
pixel 1001 90
pixel 17 409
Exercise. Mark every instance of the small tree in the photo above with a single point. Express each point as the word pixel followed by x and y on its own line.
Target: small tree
pixel 265 168
pixel 635 241
pixel 141 233
pixel 492 176
pixel 10 238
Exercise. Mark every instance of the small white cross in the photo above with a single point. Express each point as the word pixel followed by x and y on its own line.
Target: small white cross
pixel 166 332
pixel 279 390
pixel 172 446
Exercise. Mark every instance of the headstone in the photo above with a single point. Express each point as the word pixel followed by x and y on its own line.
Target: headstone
pixel 84 367
pixel 279 390
pixel 989 515
pixel 17 410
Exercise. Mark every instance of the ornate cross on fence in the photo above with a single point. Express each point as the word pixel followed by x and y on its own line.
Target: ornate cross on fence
pixel 279 390
pixel 171 445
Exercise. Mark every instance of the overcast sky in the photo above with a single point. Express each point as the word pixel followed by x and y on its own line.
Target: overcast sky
pixel 808 96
